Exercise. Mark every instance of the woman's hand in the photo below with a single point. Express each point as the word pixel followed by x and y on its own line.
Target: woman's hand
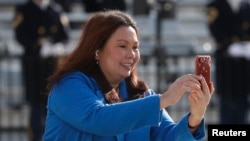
pixel 199 98
pixel 186 83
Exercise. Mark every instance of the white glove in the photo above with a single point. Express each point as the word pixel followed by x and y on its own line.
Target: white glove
pixel 247 50
pixel 46 50
pixel 236 50
pixel 58 49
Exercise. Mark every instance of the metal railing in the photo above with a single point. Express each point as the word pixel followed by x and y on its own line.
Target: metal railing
pixel 13 112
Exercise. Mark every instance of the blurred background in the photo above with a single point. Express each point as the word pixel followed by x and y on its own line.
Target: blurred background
pixel 172 33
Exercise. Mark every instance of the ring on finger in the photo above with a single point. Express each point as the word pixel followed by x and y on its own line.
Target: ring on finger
pixel 196 98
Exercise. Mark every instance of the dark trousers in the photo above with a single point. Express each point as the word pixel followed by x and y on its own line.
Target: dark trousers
pixel 233 110
pixel 232 86
pixel 35 73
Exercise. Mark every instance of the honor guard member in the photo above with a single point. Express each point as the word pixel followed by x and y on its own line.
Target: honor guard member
pixel 91 6
pixel 229 25
pixel 42 29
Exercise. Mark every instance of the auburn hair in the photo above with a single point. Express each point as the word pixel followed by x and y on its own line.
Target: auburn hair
pixel 95 33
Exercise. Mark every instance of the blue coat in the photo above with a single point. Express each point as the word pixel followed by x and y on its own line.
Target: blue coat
pixel 77 111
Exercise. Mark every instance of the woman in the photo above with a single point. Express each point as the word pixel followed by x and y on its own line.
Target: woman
pixel 95 94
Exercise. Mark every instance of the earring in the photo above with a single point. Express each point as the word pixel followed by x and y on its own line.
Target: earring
pixel 96 53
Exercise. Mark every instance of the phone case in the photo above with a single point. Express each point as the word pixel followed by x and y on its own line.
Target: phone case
pixel 202 67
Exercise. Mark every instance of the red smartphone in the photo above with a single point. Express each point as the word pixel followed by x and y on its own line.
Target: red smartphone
pixel 203 67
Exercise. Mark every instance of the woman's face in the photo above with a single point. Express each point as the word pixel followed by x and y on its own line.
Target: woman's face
pixel 120 54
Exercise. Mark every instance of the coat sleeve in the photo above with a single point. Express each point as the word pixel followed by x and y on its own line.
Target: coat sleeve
pixel 22 31
pixel 62 22
pixel 77 104
pixel 169 130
